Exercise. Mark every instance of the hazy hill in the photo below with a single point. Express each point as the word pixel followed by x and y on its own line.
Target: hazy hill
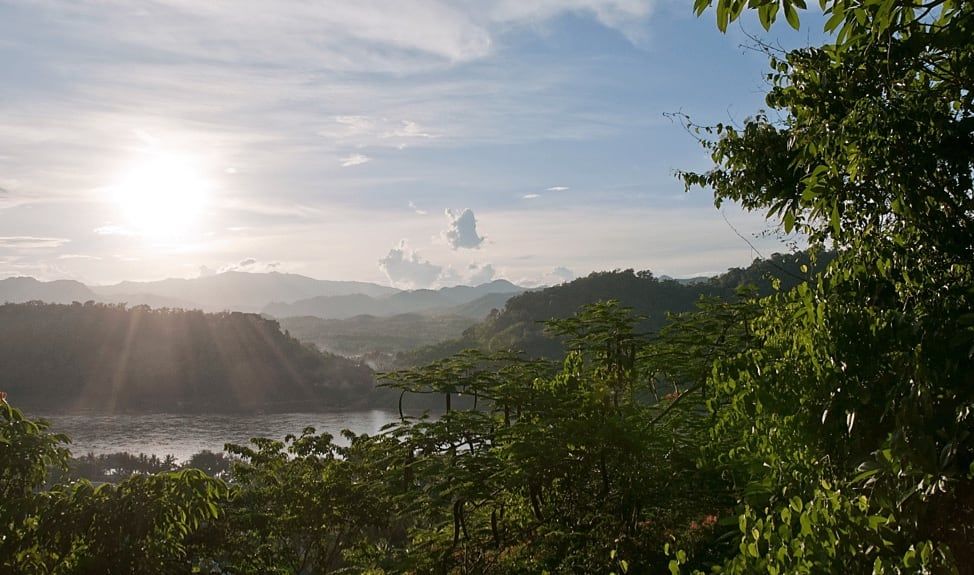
pixel 376 337
pixel 479 308
pixel 112 358
pixel 242 291
pixel 24 289
pixel 403 302
pixel 520 324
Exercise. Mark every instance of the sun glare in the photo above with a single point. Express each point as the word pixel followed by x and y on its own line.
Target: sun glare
pixel 163 196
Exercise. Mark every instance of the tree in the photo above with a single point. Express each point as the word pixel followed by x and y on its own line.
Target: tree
pixel 853 416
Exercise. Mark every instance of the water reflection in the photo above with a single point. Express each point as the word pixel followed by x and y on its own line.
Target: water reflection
pixel 182 435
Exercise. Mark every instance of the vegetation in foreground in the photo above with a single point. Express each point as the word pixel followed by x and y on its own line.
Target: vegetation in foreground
pixel 822 429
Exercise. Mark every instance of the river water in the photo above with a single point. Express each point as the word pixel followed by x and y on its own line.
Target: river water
pixel 182 435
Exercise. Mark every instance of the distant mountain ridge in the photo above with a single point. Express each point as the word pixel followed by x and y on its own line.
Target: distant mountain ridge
pixel 242 291
pixel 24 289
pixel 441 301
pixel 274 293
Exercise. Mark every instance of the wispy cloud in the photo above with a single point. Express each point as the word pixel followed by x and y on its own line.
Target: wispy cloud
pixel 78 257
pixel 531 196
pixel 251 265
pixel 416 210
pixel 354 160
pixel 113 230
pixel 332 34
pixel 557 189
pixel 31 242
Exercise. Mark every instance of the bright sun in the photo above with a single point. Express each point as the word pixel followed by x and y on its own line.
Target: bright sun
pixel 163 196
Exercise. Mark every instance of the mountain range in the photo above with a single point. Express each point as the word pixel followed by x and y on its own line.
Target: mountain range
pixel 274 293
pixel 458 300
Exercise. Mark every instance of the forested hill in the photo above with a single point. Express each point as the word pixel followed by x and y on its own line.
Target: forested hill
pixel 520 324
pixel 110 358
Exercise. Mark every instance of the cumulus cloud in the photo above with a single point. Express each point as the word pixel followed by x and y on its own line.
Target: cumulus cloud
pixel 562 273
pixel 480 273
pixel 406 268
pixel 31 242
pixel 250 265
pixel 462 232
pixel 558 275
pixel 354 160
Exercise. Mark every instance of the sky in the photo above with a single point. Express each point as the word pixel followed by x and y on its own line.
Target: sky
pixel 415 143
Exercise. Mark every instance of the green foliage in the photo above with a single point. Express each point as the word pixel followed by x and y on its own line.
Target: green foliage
pixel 296 506
pixel 562 463
pixel 27 449
pixel 520 326
pixel 858 399
pixel 141 525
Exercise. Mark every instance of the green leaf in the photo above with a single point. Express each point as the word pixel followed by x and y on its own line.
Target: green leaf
pixel 791 15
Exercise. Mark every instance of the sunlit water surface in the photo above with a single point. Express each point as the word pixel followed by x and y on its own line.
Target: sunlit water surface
pixel 182 435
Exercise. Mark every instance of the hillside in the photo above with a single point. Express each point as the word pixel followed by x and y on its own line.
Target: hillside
pixel 520 324
pixel 376 337
pixel 112 358
pixel 403 302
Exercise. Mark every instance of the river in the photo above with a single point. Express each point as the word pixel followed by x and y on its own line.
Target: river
pixel 182 435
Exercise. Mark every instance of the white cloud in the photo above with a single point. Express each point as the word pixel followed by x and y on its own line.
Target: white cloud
pixel 354 160
pixel 408 129
pixel 480 274
pixel 31 242
pixel 557 189
pixel 250 265
pixel 626 16
pixel 77 257
pixel 556 276
pixel 562 273
pixel 531 196
pixel 462 232
pixel 362 131
pixel 406 268
pixel 379 34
